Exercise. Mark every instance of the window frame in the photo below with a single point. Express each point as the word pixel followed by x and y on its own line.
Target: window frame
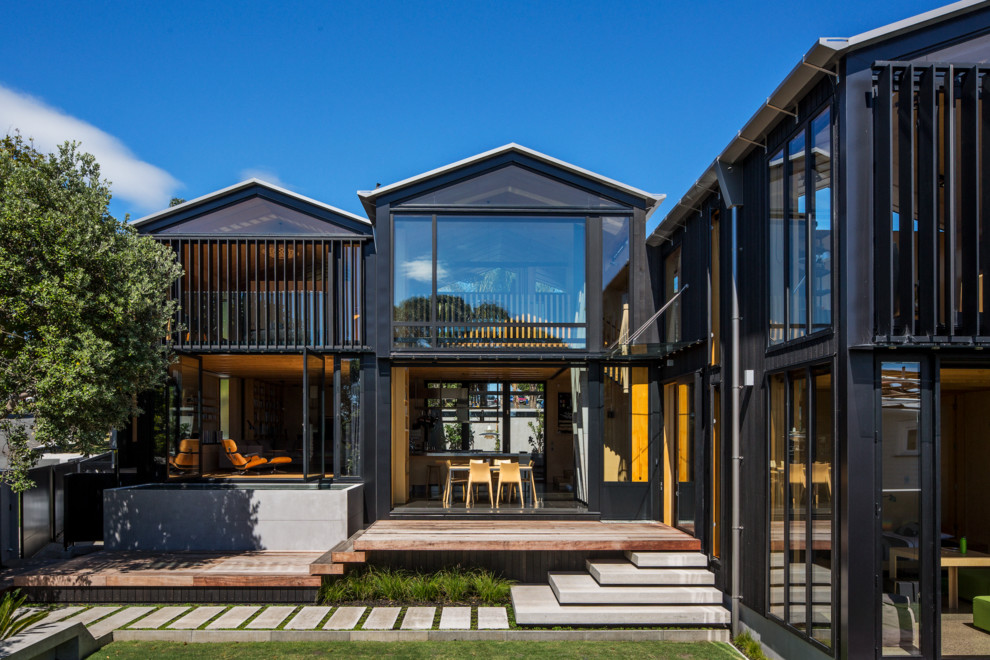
pixel 592 260
pixel 782 145
pixel 809 372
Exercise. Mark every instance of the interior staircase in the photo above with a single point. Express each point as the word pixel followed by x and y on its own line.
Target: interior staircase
pixel 644 589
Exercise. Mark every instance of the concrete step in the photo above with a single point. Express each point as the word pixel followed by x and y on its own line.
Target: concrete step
pixel 536 605
pixel 620 571
pixel 668 559
pixel 582 589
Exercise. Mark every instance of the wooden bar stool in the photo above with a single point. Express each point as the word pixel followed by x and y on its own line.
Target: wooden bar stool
pixel 432 477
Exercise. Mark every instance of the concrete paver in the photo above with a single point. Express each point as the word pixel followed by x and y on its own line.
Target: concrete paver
pixel 271 617
pixel 419 618
pixel 493 618
pixel 58 615
pixel 117 620
pixel 381 618
pixel 455 618
pixel 307 619
pixel 233 617
pixel 160 617
pixel 91 615
pixel 197 617
pixel 345 618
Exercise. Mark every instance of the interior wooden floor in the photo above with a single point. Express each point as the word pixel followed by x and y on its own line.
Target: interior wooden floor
pixel 177 570
pixel 524 535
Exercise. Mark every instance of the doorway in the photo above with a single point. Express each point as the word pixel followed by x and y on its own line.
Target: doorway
pixel 964 505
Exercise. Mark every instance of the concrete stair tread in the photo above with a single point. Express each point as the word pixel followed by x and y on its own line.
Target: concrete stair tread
pixel 667 559
pixel 621 572
pixel 582 589
pixel 537 605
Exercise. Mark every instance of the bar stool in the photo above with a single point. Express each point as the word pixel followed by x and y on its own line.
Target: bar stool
pixel 432 477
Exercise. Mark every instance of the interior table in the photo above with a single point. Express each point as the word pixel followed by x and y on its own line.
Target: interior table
pixel 950 558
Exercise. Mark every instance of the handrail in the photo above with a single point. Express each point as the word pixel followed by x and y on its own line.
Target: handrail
pixel 642 328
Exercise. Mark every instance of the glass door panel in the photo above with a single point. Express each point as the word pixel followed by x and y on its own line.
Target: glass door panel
pixel 901 510
pixel 314 415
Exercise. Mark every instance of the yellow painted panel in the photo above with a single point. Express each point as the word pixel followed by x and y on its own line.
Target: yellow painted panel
pixel 640 424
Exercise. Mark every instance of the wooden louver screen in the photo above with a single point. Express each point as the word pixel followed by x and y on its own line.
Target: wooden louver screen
pixel 259 294
pixel 931 205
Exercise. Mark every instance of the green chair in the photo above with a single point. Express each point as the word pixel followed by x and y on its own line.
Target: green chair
pixel 981 612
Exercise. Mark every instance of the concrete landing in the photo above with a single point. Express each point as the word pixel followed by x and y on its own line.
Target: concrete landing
pixel 581 588
pixel 621 572
pixel 668 559
pixel 537 605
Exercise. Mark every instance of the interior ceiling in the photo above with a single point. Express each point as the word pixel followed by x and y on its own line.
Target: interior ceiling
pixel 268 367
pixel 954 380
pixel 484 373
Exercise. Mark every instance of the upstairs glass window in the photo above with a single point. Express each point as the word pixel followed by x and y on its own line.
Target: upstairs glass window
pixel 513 187
pixel 256 217
pixel 800 233
pixel 492 282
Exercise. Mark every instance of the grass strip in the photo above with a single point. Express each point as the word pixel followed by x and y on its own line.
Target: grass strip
pixel 416 650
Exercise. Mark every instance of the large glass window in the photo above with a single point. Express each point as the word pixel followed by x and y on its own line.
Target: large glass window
pixel 672 284
pixel 349 445
pixel 800 498
pixel 491 282
pixel 901 517
pixel 615 279
pixel 800 233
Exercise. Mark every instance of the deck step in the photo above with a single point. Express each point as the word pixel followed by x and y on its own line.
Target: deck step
pixel 332 562
pixel 614 572
pixel 536 605
pixel 667 559
pixel 582 589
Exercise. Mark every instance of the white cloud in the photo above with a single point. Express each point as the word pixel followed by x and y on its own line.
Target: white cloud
pixel 265 175
pixel 421 270
pixel 147 187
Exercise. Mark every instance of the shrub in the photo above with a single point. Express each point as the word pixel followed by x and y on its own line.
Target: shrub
pixel 450 585
pixel 749 646
pixel 14 617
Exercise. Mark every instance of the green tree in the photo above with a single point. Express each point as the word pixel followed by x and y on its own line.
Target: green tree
pixel 84 306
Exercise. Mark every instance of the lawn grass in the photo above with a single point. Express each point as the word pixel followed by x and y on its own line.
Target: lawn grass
pixel 480 649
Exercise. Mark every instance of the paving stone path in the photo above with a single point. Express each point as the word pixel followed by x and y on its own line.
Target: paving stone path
pixel 101 620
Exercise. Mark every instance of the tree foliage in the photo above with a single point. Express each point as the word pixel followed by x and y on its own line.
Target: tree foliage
pixel 84 306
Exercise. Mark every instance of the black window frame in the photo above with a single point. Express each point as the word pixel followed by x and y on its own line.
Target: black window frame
pixel 781 145
pixel 808 372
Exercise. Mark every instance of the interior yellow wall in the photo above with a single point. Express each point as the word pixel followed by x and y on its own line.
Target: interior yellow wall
pixel 684 472
pixel 669 428
pixel 640 424
pixel 400 435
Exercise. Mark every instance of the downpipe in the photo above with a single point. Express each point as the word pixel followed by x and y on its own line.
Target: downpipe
pixel 736 543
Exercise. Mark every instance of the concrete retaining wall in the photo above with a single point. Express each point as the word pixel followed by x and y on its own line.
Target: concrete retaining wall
pixel 167 518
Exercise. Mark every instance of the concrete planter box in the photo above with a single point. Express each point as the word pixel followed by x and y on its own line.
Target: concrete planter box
pixel 167 517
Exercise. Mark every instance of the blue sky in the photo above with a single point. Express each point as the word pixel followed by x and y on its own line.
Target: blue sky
pixel 326 98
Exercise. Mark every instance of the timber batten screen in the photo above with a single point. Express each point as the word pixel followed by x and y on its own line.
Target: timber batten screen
pixel 931 221
pixel 265 293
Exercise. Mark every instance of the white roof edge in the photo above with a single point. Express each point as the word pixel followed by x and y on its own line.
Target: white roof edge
pixel 244 184
pixel 821 54
pixel 368 195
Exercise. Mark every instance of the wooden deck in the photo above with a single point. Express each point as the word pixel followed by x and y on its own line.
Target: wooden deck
pixel 522 535
pixel 180 570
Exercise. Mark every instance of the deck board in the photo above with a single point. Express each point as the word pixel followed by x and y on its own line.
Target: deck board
pixel 522 535
pixel 178 570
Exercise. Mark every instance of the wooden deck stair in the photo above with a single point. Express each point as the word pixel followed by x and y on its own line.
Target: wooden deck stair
pixel 646 588
pixel 336 560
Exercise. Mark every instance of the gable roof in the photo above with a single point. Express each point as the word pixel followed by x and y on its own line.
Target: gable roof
pixel 369 197
pixel 820 60
pixel 187 210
